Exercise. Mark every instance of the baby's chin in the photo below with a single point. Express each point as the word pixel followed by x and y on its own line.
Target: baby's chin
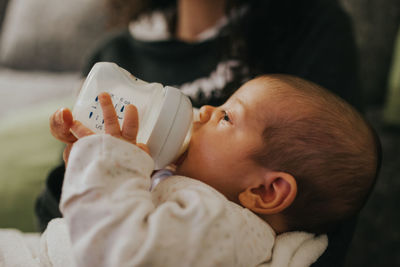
pixel 179 161
pixel 186 168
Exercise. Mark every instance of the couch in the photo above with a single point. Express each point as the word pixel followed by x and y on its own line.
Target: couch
pixel 42 48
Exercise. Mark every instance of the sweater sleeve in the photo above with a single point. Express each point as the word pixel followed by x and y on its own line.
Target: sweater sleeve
pixel 114 220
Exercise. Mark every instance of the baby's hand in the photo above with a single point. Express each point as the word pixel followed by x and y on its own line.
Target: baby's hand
pixel 62 123
pixel 130 125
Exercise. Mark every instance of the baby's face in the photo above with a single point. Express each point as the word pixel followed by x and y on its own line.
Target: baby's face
pixel 225 137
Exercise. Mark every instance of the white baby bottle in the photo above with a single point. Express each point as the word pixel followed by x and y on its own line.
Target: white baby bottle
pixel 165 113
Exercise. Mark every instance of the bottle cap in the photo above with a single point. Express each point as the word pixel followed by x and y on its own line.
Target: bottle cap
pixel 171 128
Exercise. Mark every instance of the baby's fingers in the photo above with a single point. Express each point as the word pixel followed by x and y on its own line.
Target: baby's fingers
pixel 144 147
pixel 60 123
pixel 80 130
pixel 131 124
pixel 110 116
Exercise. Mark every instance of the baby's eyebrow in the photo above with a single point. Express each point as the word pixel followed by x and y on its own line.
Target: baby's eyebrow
pixel 240 101
pixel 248 117
pixel 242 108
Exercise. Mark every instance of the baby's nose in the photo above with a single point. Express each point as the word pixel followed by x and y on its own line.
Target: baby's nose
pixel 205 113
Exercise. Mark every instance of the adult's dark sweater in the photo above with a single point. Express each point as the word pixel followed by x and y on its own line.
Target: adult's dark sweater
pixel 319 47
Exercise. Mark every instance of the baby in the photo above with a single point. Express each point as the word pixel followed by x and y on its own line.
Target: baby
pixel 282 154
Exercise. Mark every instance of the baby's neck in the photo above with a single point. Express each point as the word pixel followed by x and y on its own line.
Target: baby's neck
pixel 276 222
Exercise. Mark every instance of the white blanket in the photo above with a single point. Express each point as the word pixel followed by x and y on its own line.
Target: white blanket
pixel 53 248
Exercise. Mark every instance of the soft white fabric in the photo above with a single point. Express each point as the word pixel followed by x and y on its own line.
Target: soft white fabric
pixel 17 249
pixel 112 219
pixel 115 220
pixel 297 249
pixel 53 248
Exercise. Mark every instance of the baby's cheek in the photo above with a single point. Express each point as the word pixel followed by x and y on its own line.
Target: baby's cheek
pixel 208 154
pixel 198 162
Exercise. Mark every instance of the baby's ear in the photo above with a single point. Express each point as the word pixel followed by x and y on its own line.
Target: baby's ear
pixel 274 192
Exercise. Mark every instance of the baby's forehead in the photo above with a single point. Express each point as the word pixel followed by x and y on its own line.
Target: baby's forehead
pixel 266 99
pixel 271 90
pixel 278 99
pixel 263 89
pixel 273 85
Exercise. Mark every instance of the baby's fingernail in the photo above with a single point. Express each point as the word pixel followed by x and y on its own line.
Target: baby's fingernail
pixel 103 95
pixel 75 127
pixel 60 115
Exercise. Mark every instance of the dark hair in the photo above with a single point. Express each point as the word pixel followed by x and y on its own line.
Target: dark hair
pixel 330 149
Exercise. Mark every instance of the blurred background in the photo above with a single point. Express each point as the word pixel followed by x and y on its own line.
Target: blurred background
pixel 43 45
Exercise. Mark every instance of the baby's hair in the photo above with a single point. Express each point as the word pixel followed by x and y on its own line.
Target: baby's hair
pixel 330 149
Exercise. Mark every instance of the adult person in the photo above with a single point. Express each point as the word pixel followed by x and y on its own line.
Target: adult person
pixel 210 47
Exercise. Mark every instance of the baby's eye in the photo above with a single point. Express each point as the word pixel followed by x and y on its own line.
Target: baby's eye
pixel 226 116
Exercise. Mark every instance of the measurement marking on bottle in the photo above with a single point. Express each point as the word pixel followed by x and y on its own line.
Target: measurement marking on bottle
pixel 90 114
